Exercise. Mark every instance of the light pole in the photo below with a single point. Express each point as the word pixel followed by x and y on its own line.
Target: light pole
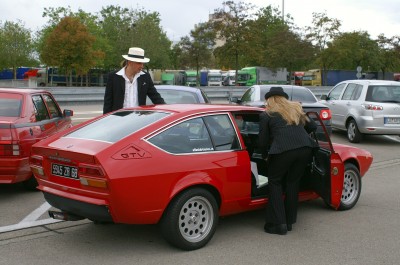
pixel 283 10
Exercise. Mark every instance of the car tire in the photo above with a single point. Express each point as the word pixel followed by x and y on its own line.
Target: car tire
pixel 30 184
pixel 190 220
pixel 353 134
pixel 351 187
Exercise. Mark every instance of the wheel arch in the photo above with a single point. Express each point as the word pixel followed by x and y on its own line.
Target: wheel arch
pixel 210 188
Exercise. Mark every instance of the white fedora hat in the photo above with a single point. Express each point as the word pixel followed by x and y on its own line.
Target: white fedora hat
pixel 136 54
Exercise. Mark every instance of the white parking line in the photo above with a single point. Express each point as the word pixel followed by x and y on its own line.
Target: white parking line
pixel 33 216
pixel 31 220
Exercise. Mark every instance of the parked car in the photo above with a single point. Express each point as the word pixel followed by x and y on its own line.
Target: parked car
pixel 180 95
pixel 365 107
pixel 26 117
pixel 254 96
pixel 180 166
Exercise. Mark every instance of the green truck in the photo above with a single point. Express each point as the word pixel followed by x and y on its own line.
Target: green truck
pixel 257 75
pixel 191 78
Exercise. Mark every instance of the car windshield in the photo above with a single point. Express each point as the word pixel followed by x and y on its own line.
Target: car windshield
pixel 300 95
pixel 10 107
pixel 118 125
pixel 382 93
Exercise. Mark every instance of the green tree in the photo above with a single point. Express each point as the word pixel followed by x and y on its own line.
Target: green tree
pixel 231 25
pixel 16 46
pixel 389 53
pixel 70 46
pixel 125 28
pixel 322 32
pixel 275 43
pixel 196 50
pixel 148 34
pixel 352 49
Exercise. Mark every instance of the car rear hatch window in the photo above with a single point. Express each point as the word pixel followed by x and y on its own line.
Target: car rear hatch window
pixel 383 94
pixel 10 107
pixel 118 125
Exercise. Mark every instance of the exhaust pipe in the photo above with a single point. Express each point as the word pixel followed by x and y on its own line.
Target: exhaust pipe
pixel 65 216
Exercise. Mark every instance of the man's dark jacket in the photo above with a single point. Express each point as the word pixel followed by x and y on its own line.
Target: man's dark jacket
pixel 115 92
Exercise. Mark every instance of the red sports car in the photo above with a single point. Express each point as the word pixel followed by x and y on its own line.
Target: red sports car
pixel 181 166
pixel 26 117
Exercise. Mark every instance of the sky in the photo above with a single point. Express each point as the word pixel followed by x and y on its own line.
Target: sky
pixel 178 17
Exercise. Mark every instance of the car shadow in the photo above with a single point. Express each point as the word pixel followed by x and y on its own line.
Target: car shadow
pixel 367 139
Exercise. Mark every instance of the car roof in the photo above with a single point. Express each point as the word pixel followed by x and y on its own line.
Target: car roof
pixel 197 108
pixel 372 82
pixel 21 90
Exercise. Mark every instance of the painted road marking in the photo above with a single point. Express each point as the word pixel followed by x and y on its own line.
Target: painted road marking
pixel 31 220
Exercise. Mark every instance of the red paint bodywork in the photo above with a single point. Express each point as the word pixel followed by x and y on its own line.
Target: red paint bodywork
pixel 24 131
pixel 142 179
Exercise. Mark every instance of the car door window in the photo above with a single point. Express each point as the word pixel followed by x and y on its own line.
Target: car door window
pixel 336 91
pixel 222 132
pixel 40 108
pixel 211 133
pixel 53 109
pixel 349 91
pixel 357 92
pixel 190 136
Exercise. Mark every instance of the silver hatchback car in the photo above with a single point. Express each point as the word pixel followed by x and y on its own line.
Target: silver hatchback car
pixel 365 107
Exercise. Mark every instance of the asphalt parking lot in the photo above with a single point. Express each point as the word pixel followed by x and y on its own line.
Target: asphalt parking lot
pixel 367 234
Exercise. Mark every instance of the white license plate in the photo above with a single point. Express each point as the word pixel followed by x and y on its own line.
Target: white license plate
pixel 64 171
pixel 392 120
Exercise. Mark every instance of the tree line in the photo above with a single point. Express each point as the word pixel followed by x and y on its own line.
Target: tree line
pixel 238 34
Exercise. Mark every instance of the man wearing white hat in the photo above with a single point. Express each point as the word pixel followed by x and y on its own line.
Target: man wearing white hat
pixel 129 86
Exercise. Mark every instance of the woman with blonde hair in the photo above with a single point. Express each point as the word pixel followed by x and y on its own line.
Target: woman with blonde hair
pixel 285 142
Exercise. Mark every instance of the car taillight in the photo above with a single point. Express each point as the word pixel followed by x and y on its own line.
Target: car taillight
pixel 92 175
pixel 372 107
pixel 325 114
pixel 9 150
pixel 36 164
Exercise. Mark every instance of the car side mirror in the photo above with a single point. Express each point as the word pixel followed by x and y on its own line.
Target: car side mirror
pixel 68 113
pixel 324 97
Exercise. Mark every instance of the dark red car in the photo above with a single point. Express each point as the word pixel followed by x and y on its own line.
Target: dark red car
pixel 181 166
pixel 26 117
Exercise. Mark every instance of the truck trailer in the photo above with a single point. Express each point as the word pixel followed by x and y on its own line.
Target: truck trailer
pixel 257 75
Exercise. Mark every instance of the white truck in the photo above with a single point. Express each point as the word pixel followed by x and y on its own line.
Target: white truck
pixel 214 78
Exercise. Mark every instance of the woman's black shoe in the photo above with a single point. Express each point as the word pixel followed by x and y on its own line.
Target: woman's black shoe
pixel 280 229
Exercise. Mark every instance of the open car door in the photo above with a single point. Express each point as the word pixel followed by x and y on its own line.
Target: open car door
pixel 327 172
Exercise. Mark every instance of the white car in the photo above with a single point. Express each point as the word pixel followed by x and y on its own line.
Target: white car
pixel 365 107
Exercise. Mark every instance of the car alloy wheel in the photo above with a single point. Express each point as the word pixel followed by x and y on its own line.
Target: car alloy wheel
pixel 351 187
pixel 191 219
pixel 353 134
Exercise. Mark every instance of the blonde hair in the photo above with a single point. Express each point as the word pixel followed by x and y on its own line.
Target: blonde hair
pixel 292 112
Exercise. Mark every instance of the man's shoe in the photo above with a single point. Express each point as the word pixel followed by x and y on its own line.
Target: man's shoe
pixel 280 229
pixel 289 227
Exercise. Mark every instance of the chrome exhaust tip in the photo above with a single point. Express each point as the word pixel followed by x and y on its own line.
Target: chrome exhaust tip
pixel 65 216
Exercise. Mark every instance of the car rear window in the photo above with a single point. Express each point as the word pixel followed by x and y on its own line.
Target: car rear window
pixel 10 107
pixel 118 125
pixel 382 93
pixel 300 95
pixel 171 96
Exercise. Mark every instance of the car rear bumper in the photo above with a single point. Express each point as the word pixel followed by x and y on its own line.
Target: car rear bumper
pixel 374 126
pixel 82 209
pixel 13 170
